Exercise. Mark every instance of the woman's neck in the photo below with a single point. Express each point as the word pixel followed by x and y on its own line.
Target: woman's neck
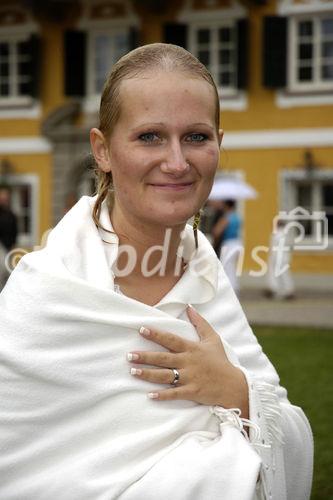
pixel 153 247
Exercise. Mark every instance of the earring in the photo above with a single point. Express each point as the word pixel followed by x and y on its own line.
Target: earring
pixel 196 223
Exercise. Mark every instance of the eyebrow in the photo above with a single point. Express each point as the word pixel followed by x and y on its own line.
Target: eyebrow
pixel 161 124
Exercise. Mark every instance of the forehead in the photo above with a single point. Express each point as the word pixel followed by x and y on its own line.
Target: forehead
pixel 170 94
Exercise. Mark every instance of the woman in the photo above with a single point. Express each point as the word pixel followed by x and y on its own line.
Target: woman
pixel 102 321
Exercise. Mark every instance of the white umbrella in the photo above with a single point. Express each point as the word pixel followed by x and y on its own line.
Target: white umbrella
pixel 231 189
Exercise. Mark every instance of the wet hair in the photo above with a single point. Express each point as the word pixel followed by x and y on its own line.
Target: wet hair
pixel 137 63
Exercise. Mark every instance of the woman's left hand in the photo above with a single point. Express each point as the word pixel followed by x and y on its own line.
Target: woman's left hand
pixel 205 373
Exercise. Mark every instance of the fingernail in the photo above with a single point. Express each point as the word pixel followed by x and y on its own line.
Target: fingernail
pixel 135 371
pixel 152 395
pixel 191 308
pixel 132 356
pixel 144 331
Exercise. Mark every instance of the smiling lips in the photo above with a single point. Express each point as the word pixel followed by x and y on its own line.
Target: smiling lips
pixel 173 187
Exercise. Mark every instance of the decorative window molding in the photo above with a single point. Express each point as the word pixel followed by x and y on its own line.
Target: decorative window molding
pixel 313 194
pixel 287 7
pixel 191 12
pixel 214 36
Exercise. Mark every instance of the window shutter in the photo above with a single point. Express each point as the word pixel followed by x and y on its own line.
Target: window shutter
pixel 275 52
pixel 75 63
pixel 175 33
pixel 33 67
pixel 134 38
pixel 242 53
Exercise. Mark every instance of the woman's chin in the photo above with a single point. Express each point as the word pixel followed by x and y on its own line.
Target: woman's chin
pixel 176 220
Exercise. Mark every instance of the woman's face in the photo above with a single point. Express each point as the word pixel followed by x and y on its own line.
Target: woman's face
pixel 164 149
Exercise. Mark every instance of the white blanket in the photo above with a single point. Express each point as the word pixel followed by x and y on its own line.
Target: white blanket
pixel 75 425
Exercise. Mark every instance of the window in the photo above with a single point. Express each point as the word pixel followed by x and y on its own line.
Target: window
pixel 104 33
pixel 15 70
pixel 24 203
pixel 313 195
pixel 311 61
pixel 217 33
pixel 105 48
pixel 317 196
pixel 216 48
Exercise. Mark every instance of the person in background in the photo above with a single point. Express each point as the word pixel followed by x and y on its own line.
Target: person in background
pixel 8 231
pixel 280 283
pixel 226 234
pixel 217 211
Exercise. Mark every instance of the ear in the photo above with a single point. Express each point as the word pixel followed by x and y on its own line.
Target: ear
pixel 221 133
pixel 100 149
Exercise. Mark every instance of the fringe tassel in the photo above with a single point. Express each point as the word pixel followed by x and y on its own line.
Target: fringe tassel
pixel 232 416
pixel 272 415
pixel 272 411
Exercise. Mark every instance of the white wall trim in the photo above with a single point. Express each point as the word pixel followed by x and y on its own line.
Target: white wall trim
pixel 129 19
pixel 22 145
pixel 286 138
pixel 283 100
pixel 20 112
pixel 234 103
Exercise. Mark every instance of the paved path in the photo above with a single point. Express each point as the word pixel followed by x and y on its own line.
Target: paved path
pixel 309 308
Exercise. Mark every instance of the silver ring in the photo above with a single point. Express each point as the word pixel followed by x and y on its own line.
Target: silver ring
pixel 176 376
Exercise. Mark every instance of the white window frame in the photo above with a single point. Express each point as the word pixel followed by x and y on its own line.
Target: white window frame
pixel 16 34
pixel 286 98
pixel 317 84
pixel 27 239
pixel 288 181
pixel 101 26
pixel 233 98
pixel 92 95
pixel 213 27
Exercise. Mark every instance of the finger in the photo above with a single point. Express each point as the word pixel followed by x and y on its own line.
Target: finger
pixel 156 375
pixel 164 359
pixel 170 394
pixel 204 329
pixel 172 342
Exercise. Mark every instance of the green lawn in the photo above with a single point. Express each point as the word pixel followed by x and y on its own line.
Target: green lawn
pixel 303 359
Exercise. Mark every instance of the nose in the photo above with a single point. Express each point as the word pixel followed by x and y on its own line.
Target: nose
pixel 175 162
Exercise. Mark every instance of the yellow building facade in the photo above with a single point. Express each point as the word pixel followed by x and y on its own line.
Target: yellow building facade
pixel 273 64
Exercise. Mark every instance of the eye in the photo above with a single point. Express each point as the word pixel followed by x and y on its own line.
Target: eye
pixel 198 137
pixel 148 136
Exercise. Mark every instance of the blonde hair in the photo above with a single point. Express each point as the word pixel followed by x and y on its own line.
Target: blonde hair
pixel 138 62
